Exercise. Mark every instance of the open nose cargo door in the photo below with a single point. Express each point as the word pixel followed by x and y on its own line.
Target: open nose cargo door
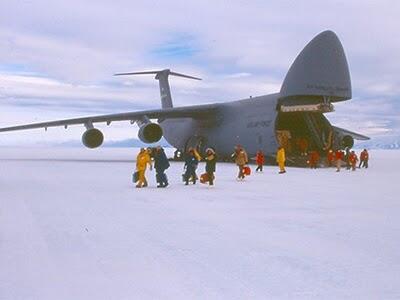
pixel 318 77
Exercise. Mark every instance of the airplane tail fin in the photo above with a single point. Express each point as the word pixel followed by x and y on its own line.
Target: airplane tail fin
pixel 162 77
pixel 319 74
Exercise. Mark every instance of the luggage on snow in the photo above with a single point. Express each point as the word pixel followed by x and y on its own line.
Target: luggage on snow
pixel 135 177
pixel 246 170
pixel 204 178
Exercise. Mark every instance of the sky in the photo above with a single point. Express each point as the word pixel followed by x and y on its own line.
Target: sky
pixel 57 58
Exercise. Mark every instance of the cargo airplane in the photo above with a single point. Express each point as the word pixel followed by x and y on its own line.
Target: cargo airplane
pixel 318 77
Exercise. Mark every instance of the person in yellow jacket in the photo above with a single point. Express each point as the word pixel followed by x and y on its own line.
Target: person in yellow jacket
pixel 280 159
pixel 143 159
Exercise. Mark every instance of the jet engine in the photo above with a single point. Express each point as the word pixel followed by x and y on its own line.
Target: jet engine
pixel 347 141
pixel 150 132
pixel 92 138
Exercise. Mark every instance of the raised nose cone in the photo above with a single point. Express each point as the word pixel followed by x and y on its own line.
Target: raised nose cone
pixel 319 70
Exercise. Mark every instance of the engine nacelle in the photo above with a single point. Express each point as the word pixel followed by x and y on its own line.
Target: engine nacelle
pixel 150 133
pixel 347 141
pixel 92 138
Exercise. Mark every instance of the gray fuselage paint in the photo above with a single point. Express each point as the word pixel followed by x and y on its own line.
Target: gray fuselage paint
pixel 249 122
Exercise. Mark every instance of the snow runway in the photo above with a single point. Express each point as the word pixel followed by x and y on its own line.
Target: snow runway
pixel 72 226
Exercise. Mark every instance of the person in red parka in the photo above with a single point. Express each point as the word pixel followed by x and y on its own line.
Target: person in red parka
pixel 330 157
pixel 339 155
pixel 314 159
pixel 353 160
pixel 364 157
pixel 260 159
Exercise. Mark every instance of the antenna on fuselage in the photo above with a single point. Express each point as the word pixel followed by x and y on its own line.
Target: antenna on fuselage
pixel 162 77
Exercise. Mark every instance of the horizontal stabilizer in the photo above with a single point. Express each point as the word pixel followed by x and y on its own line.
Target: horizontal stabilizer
pixel 157 73
pixel 162 77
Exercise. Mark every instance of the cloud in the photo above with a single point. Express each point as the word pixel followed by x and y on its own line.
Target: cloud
pixel 374 117
pixel 180 46
pixel 238 75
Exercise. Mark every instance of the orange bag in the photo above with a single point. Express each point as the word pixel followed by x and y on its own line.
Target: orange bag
pixel 204 178
pixel 246 170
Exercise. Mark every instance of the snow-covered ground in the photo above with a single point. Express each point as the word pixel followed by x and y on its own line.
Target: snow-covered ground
pixel 72 226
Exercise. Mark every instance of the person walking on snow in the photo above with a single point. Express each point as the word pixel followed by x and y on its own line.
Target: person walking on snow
pixel 347 159
pixel 191 163
pixel 241 159
pixel 260 159
pixel 280 159
pixel 161 163
pixel 330 157
pixel 353 160
pixel 314 159
pixel 339 155
pixel 142 160
pixel 211 161
pixel 364 156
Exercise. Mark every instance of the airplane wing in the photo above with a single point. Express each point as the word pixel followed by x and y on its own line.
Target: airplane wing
pixel 195 112
pixel 354 135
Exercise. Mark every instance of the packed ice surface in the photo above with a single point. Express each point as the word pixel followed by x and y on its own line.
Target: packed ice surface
pixel 72 226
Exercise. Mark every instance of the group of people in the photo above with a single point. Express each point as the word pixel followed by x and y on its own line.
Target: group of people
pixel 241 159
pixel 161 164
pixel 192 158
pixel 146 157
pixel 350 158
pixel 338 157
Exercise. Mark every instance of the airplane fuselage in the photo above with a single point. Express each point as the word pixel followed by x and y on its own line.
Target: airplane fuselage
pixel 249 122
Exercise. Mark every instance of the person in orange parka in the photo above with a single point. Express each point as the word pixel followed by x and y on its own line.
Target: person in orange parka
pixel 260 159
pixel 353 160
pixel 314 159
pixel 339 155
pixel 330 156
pixel 364 156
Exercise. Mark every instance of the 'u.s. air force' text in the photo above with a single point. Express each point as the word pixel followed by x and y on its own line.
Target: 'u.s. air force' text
pixel 262 123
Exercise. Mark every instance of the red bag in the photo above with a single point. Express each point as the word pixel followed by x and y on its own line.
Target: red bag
pixel 246 170
pixel 204 178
